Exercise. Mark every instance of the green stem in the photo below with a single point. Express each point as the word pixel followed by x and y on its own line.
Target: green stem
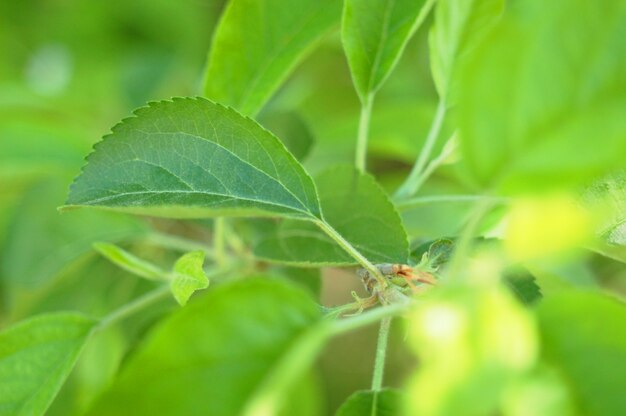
pixel 349 248
pixel 413 182
pixel 135 306
pixel 177 243
pixel 344 325
pixel 464 242
pixel 364 123
pixel 218 241
pixel 434 199
pixel 381 354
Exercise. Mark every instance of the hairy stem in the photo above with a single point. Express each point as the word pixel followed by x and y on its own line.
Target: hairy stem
pixel 464 242
pixel 413 181
pixel 218 241
pixel 361 142
pixel 349 248
pixel 381 354
pixel 135 306
pixel 434 199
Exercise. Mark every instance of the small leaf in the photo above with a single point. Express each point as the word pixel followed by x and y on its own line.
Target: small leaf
pixel 459 26
pixel 225 346
pixel 258 43
pixel 440 252
pixel 189 276
pixel 607 197
pixel 386 402
pixel 355 205
pixel 531 95
pixel 36 356
pixel 523 285
pixel 129 262
pixel 584 336
pixel 191 158
pixel 374 34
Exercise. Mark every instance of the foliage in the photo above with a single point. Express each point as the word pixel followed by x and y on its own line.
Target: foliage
pixel 460 163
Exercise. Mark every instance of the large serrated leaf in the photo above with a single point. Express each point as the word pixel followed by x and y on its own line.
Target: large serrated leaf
pixel 386 402
pixel 459 26
pixel 258 43
pixel 357 207
pixel 584 335
pixel 218 356
pixel 374 34
pixel 36 356
pixel 190 157
pixel 544 81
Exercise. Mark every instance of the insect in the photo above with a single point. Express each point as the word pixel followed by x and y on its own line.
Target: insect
pixel 400 276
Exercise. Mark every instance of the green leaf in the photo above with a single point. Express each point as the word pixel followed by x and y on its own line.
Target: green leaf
pixel 584 335
pixel 258 43
pixel 188 276
pixel 374 34
pixel 36 356
pixel 523 285
pixel 544 81
pixel 459 26
pixel 607 197
pixel 228 346
pixel 386 402
pixel 356 206
pixel 194 158
pixel 40 243
pixel 129 262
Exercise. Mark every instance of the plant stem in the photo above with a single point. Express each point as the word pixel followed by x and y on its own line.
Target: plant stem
pixel 344 325
pixel 177 243
pixel 465 239
pixel 364 123
pixel 218 241
pixel 349 248
pixel 381 354
pixel 412 182
pixel 433 199
pixel 136 305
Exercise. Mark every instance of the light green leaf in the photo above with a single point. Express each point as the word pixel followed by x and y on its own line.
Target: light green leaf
pixel 229 345
pixel 547 79
pixel 459 26
pixel 607 197
pixel 36 356
pixel 188 276
pixel 129 262
pixel 40 243
pixel 374 34
pixel 386 402
pixel 258 43
pixel 356 206
pixel 584 335
pixel 194 158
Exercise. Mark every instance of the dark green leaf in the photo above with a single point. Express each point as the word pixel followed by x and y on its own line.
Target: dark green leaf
pixel 522 284
pixel 188 276
pixel 36 356
pixel 355 205
pixel 584 335
pixel 459 26
pixel 258 43
pixel 374 34
pixel 386 402
pixel 193 158
pixel 545 80
pixel 219 355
